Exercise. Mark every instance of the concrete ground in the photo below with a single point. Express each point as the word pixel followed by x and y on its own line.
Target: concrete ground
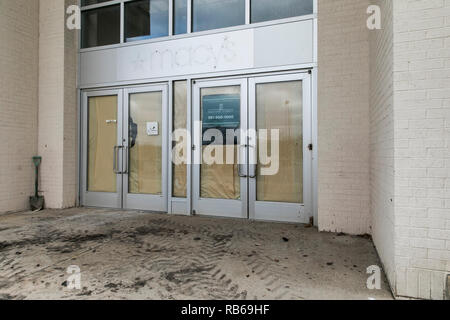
pixel 136 255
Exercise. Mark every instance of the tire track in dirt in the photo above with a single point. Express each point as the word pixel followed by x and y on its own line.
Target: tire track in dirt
pixel 195 265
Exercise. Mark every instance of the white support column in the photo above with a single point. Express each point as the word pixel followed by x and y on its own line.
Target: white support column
pixel 57 132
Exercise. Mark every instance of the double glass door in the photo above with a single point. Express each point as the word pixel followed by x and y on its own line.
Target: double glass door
pixel 252 156
pixel 124 154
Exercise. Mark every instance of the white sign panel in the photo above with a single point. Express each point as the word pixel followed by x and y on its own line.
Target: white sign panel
pixel 217 52
pixel 194 55
pixel 267 46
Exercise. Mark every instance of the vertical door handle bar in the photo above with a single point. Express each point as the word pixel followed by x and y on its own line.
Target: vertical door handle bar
pixel 240 174
pixel 253 166
pixel 115 160
pixel 126 159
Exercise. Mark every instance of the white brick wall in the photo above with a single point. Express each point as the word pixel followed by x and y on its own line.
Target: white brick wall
pixel 422 146
pixel 343 112
pixel 409 135
pixel 18 101
pixel 382 138
pixel 51 99
pixel 70 115
pixel 57 105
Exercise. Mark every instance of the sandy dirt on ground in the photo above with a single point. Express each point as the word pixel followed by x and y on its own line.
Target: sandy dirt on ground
pixel 138 255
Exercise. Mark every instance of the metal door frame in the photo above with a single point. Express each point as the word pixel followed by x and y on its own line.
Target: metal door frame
pixel 277 211
pixel 218 207
pixel 101 199
pixel 95 199
pixel 144 201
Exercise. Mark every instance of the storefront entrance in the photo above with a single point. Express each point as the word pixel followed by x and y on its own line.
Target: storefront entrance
pixel 124 163
pixel 252 141
pixel 251 148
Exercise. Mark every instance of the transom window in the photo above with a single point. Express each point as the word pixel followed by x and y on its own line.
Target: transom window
pixel 265 10
pixel 146 19
pixel 216 14
pixel 102 22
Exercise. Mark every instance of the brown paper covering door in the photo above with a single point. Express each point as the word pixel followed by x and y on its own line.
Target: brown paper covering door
pixel 280 106
pixel 145 163
pixel 179 188
pixel 102 137
pixel 220 181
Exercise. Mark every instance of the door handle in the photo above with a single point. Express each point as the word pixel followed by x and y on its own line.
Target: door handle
pixel 115 159
pixel 240 165
pixel 126 160
pixel 240 174
pixel 253 167
pixel 253 170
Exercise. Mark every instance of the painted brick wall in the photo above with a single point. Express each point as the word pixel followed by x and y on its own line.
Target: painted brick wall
pixel 18 101
pixel 422 146
pixel 70 166
pixel 382 138
pixel 343 112
pixel 57 105
pixel 51 99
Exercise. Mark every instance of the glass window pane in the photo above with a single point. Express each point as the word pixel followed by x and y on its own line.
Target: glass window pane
pixel 91 2
pixel 280 106
pixel 145 163
pixel 102 137
pixel 100 27
pixel 146 19
pixel 220 111
pixel 180 16
pixel 265 10
pixel 179 123
pixel 215 14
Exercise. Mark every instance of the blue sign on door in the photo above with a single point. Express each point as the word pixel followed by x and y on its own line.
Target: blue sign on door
pixel 221 112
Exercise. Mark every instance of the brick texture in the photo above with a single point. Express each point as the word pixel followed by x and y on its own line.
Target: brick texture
pixel 343 112
pixel 70 165
pixel 18 101
pixel 382 138
pixel 422 146
pixel 57 105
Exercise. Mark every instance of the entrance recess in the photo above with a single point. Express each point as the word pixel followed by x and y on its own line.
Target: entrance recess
pixel 270 177
pixel 124 153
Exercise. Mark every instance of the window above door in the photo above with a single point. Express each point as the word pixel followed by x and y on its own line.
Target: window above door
pixel 112 22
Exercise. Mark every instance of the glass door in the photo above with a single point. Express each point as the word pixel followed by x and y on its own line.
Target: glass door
pixel 102 141
pixel 220 148
pixel 145 141
pixel 280 151
pixel 125 138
